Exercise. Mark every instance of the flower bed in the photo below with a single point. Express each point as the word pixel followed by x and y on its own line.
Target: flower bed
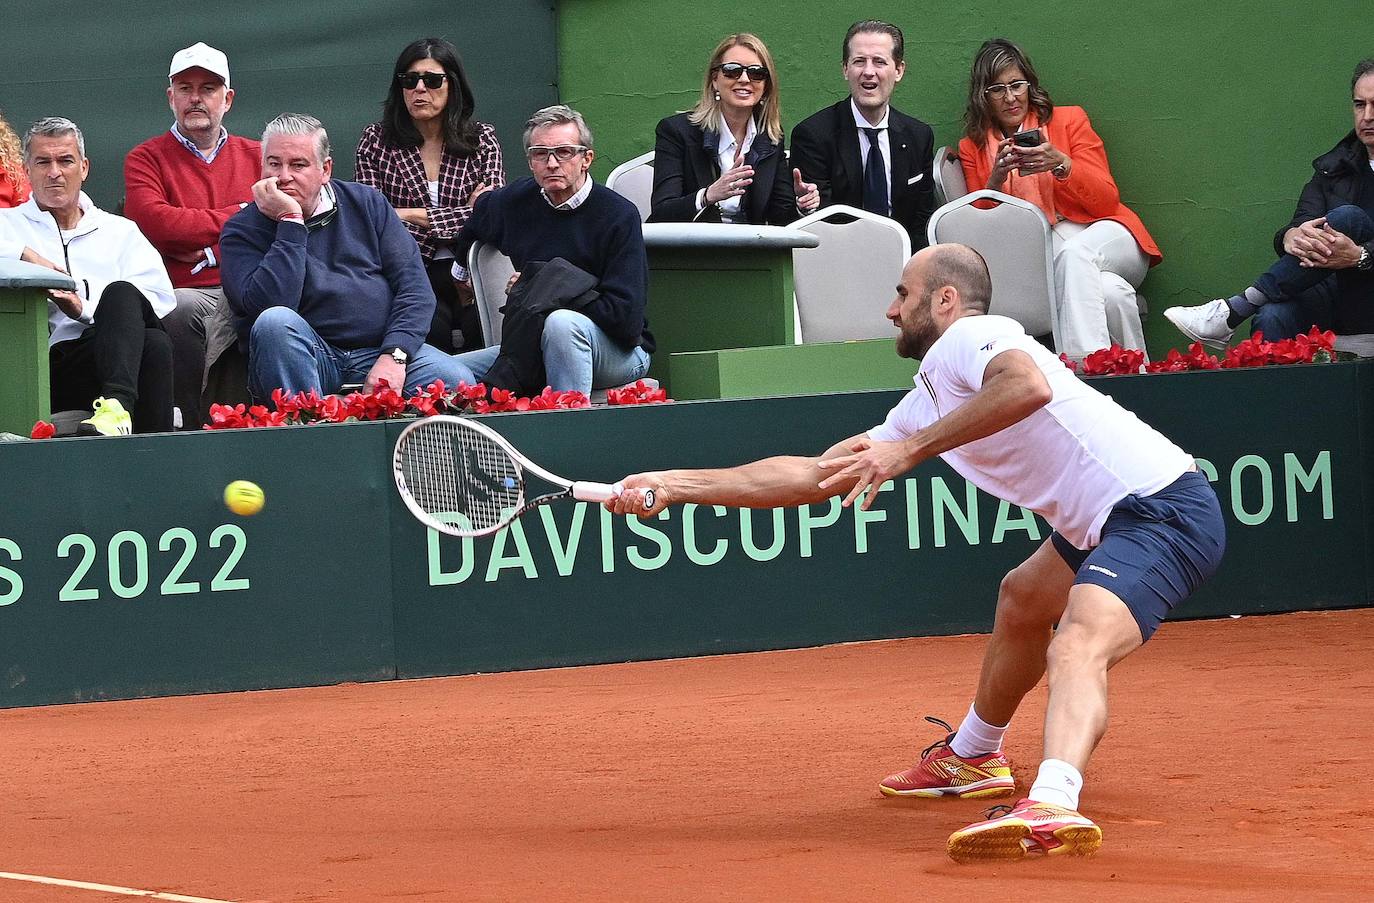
pixel 386 403
pixel 1316 347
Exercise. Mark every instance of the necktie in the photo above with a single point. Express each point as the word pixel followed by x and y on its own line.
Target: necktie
pixel 875 177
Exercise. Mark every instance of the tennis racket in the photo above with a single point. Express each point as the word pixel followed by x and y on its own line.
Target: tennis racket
pixel 462 478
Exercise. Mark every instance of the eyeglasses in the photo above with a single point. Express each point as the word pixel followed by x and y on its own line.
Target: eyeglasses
pixel 1009 90
pixel 433 80
pixel 732 71
pixel 562 153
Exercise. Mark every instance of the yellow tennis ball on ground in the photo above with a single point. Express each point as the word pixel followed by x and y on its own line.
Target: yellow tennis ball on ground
pixel 244 497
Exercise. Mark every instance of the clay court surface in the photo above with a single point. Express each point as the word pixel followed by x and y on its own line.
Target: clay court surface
pixel 1237 768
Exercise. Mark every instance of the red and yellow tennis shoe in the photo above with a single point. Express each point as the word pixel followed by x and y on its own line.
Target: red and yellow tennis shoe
pixel 941 773
pixel 1024 830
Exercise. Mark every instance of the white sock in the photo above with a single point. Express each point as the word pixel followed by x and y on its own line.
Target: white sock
pixel 1057 783
pixel 975 737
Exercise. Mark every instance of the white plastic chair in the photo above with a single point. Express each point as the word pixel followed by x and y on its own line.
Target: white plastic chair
pixel 949 177
pixel 844 286
pixel 634 179
pixel 1014 238
pixel 490 270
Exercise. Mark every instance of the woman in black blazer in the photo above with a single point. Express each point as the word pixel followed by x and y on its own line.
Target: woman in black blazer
pixel 723 161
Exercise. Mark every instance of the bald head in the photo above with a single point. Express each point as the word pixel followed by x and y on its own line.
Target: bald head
pixel 961 267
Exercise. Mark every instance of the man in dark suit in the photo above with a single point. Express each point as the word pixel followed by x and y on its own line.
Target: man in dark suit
pixel 863 152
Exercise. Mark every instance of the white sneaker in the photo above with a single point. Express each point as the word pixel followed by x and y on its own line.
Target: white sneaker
pixel 1205 323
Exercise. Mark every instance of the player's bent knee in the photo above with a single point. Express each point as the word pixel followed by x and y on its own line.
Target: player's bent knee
pixel 1022 602
pixel 1075 647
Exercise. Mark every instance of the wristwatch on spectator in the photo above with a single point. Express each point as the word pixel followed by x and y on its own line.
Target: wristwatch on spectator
pixel 1061 172
pixel 1366 261
pixel 399 356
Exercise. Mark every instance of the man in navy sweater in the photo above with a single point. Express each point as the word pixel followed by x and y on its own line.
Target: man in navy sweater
pixel 561 212
pixel 325 283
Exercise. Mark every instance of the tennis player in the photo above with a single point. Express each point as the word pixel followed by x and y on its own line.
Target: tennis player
pixel 1136 530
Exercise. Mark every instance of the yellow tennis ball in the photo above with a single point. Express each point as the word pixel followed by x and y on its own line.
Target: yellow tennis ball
pixel 243 497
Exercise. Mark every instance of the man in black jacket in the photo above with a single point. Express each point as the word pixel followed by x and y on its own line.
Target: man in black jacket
pixel 863 152
pixel 1328 247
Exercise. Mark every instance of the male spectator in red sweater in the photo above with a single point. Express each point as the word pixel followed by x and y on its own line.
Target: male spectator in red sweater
pixel 180 188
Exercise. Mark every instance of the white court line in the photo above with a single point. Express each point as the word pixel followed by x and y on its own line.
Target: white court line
pixel 109 888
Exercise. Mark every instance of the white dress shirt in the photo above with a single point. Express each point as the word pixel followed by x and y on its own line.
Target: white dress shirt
pixel 726 152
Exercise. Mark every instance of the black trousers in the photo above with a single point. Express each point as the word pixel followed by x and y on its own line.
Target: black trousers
pixel 450 313
pixel 125 355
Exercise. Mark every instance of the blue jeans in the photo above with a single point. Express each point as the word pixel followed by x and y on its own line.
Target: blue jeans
pixel 578 356
pixel 285 352
pixel 1288 285
pixel 1280 320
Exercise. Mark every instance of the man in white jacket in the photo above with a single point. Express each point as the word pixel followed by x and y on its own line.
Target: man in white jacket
pixel 107 349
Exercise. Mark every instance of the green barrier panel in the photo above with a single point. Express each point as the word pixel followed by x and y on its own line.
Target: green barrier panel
pixel 692 312
pixel 122 574
pixel 790 370
pixel 571 586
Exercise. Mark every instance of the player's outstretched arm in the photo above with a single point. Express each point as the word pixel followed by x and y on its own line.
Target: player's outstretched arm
pixel 768 483
pixel 1013 389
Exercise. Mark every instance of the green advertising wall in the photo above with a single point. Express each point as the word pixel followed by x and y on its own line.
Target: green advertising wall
pixel 104 65
pixel 1211 113
pixel 122 574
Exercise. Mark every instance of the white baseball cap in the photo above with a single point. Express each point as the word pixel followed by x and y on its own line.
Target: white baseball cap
pixel 204 56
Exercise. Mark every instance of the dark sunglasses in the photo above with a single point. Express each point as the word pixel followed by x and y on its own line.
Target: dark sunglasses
pixel 432 80
pixel 732 71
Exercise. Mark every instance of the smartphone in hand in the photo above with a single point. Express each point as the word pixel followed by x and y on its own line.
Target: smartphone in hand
pixel 1028 138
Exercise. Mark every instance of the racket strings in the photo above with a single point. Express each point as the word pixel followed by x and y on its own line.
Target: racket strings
pixel 460 476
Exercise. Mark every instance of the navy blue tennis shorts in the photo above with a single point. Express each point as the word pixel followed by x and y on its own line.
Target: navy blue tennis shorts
pixel 1155 550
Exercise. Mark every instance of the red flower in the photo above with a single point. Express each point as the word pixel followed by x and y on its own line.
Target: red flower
pixel 333 410
pixel 432 399
pixel 1113 361
pixel 1200 359
pixel 472 393
pixel 638 392
pixel 1253 352
pixel 42 430
pixel 1174 363
pixel 1068 362
pixel 225 417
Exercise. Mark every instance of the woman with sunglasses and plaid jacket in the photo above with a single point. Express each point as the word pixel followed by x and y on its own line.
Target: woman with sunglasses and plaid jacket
pixel 432 161
pixel 723 161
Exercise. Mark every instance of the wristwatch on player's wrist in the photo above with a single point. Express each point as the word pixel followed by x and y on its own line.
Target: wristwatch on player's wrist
pixel 399 356
pixel 1366 261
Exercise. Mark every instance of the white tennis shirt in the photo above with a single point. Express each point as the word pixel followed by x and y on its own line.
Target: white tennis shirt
pixel 1069 462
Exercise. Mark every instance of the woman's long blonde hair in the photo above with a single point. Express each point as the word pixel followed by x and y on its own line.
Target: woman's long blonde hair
pixel 706 114
pixel 11 156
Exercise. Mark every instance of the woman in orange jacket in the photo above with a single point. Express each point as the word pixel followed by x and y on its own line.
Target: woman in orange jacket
pixel 1101 248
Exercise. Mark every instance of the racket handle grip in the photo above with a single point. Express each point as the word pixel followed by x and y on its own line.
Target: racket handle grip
pixel 601 492
pixel 595 492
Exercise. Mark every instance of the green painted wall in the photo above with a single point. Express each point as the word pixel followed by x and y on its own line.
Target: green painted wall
pixel 1211 113
pixel 104 65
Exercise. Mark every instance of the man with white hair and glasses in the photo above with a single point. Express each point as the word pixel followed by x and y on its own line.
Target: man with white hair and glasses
pixel 562 213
